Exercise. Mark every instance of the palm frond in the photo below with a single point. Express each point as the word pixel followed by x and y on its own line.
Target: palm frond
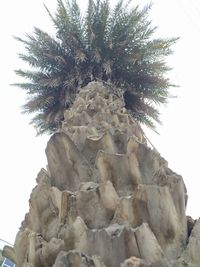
pixel 115 45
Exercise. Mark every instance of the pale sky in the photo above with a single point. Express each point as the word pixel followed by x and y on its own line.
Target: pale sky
pixel 22 154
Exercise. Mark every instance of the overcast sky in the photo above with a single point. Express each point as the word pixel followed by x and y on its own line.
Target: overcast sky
pixel 22 154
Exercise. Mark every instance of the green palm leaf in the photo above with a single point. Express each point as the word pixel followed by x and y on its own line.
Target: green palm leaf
pixel 114 45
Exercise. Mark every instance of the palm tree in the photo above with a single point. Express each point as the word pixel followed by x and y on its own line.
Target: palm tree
pixel 115 46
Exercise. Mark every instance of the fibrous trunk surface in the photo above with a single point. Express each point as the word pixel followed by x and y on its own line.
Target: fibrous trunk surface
pixel 106 199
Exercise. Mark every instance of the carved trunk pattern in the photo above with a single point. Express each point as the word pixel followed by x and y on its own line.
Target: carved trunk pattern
pixel 106 198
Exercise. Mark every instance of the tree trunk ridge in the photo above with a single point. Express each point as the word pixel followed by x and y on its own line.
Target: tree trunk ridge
pixel 106 198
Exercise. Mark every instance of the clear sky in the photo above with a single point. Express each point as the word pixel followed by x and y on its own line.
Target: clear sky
pixel 22 154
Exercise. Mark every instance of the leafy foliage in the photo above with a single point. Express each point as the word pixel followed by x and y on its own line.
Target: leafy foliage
pixel 114 45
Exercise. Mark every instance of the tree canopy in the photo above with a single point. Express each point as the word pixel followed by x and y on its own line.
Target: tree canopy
pixel 115 45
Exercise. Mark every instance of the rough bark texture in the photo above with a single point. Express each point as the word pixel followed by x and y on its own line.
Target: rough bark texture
pixel 106 198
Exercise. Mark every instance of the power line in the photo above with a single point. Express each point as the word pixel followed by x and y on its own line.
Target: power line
pixel 197 8
pixel 189 12
pixel 6 242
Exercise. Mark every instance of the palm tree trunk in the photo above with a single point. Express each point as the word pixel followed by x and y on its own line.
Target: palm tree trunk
pixel 106 198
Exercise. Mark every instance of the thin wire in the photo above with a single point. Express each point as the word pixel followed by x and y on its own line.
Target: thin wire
pixel 6 242
pixel 197 8
pixel 190 13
